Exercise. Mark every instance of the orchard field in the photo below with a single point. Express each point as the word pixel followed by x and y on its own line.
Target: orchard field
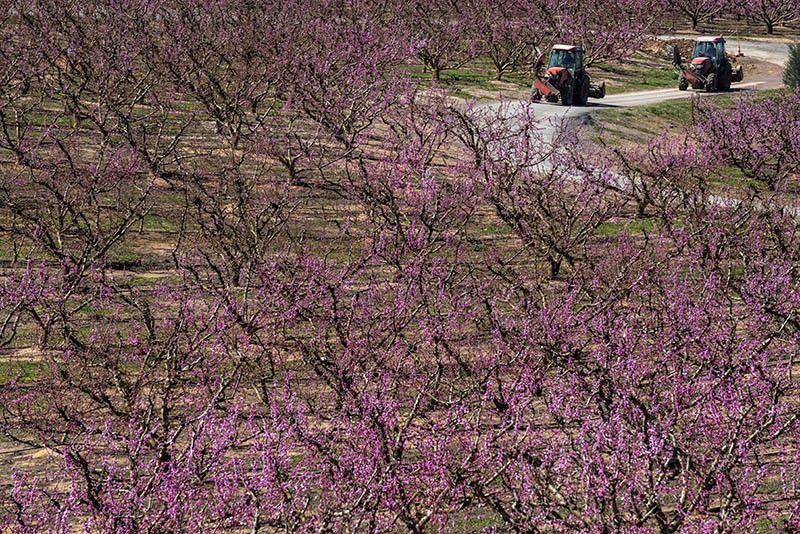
pixel 268 267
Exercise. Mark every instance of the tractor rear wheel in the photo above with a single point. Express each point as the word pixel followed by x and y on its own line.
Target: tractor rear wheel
pixel 583 94
pixel 725 76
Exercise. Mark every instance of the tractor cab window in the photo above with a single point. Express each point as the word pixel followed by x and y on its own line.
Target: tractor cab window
pixel 562 58
pixel 720 50
pixel 705 49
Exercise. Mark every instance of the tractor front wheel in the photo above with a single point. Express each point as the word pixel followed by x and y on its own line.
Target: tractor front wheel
pixel 711 83
pixel 683 83
pixel 567 93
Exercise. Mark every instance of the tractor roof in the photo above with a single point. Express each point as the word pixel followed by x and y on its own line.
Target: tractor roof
pixel 568 48
pixel 716 39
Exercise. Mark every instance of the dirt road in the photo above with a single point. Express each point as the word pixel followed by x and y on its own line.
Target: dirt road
pixel 776 53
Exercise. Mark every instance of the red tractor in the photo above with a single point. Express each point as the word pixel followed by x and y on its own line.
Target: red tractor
pixel 566 78
pixel 710 69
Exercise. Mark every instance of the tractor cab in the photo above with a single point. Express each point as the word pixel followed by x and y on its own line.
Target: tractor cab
pixel 566 57
pixel 707 54
pixel 712 48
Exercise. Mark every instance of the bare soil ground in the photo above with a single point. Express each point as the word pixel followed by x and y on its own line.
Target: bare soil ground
pixel 146 258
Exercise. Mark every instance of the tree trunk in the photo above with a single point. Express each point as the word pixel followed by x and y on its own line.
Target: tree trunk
pixel 641 208
pixel 555 266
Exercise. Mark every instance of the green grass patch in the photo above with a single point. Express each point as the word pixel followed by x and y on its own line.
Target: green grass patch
pixel 157 223
pixel 634 227
pixel 522 78
pixel 45 119
pixel 144 281
pixel 632 77
pixel 25 371
pixel 642 122
pixel 733 176
pixel 483 523
pixel 677 112
pixel 478 74
pixel 496 229
pixel 92 311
